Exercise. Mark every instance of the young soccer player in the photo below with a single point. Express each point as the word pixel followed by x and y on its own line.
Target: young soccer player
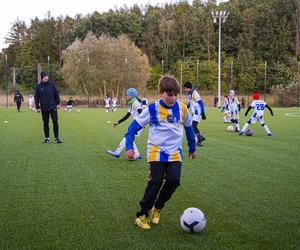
pixel 258 114
pixel 114 101
pixel 30 102
pixel 106 100
pixel 166 119
pixel 225 110
pixel 134 109
pixel 197 107
pixel 70 104
pixel 234 108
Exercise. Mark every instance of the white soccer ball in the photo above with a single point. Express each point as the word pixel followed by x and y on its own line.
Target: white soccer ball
pixel 78 110
pixel 193 220
pixel 230 128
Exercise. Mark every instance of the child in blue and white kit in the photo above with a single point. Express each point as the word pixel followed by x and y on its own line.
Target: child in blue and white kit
pixel 166 118
pixel 134 109
pixel 258 114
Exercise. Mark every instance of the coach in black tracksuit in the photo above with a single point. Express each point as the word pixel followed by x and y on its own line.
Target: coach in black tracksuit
pixel 18 99
pixel 47 101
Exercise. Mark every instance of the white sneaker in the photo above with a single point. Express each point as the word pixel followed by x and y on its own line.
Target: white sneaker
pixel 113 153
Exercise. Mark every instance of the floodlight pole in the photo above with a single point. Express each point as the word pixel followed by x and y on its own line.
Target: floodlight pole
pixel 162 66
pixel 6 80
pixel 298 83
pixel 221 16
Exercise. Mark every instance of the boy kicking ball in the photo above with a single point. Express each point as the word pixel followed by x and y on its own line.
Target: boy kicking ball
pixel 166 119
pixel 134 109
pixel 258 115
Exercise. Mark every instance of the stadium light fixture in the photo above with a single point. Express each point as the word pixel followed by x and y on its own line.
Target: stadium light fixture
pixel 220 17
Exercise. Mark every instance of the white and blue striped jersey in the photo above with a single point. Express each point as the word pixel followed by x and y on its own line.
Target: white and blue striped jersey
pixel 133 106
pixel 195 102
pixel 165 131
pixel 259 107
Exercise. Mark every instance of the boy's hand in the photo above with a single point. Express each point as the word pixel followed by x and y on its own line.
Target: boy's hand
pixel 192 155
pixel 38 110
pixel 130 154
pixel 115 124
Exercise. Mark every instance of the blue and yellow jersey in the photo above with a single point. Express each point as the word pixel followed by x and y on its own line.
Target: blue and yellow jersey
pixel 165 131
pixel 195 102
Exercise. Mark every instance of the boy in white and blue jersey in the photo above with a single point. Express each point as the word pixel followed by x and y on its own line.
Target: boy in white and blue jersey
pixel 225 110
pixel 106 100
pixel 134 109
pixel 234 108
pixel 166 118
pixel 258 114
pixel 197 107
pixel 114 101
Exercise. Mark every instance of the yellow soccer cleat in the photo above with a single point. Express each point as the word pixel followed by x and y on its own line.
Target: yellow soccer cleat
pixel 142 222
pixel 155 216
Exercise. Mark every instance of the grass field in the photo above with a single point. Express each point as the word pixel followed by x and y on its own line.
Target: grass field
pixel 74 196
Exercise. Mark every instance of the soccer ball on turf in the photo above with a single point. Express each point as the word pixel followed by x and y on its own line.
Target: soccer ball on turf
pixel 78 110
pixel 193 220
pixel 230 128
pixel 249 132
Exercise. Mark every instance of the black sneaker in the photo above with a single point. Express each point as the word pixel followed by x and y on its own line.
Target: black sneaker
pixel 47 140
pixel 58 141
pixel 199 144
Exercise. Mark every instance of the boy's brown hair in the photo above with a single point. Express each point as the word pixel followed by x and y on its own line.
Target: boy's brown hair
pixel 168 84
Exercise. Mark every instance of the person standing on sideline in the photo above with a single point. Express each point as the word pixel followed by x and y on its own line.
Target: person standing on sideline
pixel 47 101
pixel 18 99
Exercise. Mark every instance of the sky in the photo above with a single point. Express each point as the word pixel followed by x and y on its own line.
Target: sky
pixel 26 10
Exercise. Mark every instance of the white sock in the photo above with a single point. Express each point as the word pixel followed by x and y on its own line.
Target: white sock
pixel 267 130
pixel 225 119
pixel 136 151
pixel 245 127
pixel 121 146
pixel 238 126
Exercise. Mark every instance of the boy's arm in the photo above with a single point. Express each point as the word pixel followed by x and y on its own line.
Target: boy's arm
pixel 135 126
pixel 124 118
pixel 271 111
pixel 248 109
pixel 133 129
pixel 201 104
pixel 190 136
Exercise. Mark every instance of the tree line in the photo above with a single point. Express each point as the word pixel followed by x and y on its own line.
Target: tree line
pixel 136 45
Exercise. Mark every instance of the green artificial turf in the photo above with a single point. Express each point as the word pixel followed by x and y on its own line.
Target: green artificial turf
pixel 75 196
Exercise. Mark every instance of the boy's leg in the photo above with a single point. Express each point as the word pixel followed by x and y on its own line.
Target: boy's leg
pixel 197 133
pixel 265 127
pixel 121 146
pixel 156 177
pixel 173 173
pixel 136 151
